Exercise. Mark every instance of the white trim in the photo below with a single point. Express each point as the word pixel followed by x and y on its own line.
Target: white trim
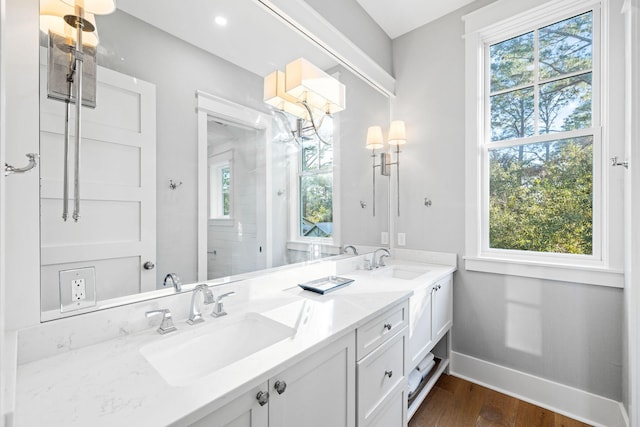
pixel 631 12
pixel 570 401
pixel 539 270
pixel 304 19
pixel 237 115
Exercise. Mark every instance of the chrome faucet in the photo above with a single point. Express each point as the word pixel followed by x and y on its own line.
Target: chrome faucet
pixel 353 248
pixel 172 279
pixel 218 308
pixel 195 315
pixel 380 261
pixel 167 321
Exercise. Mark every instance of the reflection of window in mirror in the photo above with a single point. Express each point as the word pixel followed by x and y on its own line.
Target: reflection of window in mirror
pixel 316 207
pixel 220 186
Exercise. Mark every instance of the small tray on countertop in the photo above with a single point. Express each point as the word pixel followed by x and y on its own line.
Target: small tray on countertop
pixel 326 284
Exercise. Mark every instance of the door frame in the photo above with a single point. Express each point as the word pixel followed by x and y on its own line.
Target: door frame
pixel 239 115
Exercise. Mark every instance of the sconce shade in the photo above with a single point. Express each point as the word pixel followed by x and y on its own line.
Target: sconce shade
pixel 275 95
pixel 306 82
pixel 52 13
pixel 97 7
pixel 397 133
pixel 374 138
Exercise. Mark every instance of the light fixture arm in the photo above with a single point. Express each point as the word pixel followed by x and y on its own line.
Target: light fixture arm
pixel 385 165
pixel 78 59
pixel 312 121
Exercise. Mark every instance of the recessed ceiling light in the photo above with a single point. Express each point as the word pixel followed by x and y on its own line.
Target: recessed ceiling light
pixel 221 20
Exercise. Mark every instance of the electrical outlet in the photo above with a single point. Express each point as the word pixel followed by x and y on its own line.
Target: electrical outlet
pixel 78 290
pixel 402 239
pixel 384 238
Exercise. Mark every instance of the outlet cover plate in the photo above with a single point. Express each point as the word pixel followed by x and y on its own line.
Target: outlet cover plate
pixel 70 296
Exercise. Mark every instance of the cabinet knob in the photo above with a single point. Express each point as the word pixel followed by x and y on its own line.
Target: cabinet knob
pixel 149 265
pixel 280 386
pixel 387 326
pixel 388 373
pixel 262 397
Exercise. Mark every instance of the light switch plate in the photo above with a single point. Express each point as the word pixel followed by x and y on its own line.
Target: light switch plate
pixel 402 240
pixel 77 288
pixel 384 238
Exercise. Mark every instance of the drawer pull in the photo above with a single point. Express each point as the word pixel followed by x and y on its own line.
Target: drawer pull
pixel 263 397
pixel 280 386
pixel 387 326
pixel 388 373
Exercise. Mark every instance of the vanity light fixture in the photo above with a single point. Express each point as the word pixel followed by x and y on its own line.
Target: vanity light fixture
pixel 71 27
pixel 397 137
pixel 304 90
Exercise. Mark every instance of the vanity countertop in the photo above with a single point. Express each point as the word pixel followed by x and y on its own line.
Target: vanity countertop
pixel 111 383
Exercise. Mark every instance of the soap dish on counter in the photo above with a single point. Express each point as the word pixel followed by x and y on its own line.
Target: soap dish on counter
pixel 326 284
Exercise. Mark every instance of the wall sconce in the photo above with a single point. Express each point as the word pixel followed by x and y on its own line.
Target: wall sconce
pixel 304 90
pixel 71 27
pixel 397 136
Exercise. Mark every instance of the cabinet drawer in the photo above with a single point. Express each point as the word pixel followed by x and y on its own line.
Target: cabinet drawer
pixel 380 374
pixel 381 329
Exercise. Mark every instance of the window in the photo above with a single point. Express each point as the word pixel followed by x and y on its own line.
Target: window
pixel 315 185
pixel 535 141
pixel 220 185
pixel 540 140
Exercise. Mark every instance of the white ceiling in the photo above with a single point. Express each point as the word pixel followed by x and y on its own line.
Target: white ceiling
pixel 397 17
pixel 253 39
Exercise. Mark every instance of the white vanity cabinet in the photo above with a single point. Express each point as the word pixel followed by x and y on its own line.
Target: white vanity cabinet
pixel 431 311
pixel 382 369
pixel 244 411
pixel 318 391
pixel 442 307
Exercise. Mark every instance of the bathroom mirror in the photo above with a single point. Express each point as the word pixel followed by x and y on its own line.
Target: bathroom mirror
pixel 184 168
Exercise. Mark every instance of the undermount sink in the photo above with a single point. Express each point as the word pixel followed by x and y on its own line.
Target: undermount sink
pixel 185 358
pixel 404 272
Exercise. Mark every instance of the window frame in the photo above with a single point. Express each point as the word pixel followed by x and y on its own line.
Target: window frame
pixel 296 240
pixel 217 162
pixel 495 23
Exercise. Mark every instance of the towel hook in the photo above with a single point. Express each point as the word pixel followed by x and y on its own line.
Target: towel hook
pixel 33 162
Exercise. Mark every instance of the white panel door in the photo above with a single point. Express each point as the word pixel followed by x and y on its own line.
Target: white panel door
pixel 116 232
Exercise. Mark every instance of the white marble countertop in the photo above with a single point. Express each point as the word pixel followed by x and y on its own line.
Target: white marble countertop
pixel 111 383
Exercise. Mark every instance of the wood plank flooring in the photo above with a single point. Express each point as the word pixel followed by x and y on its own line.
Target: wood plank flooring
pixel 454 402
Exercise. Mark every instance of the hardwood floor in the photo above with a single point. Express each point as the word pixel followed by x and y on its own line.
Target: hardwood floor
pixel 454 402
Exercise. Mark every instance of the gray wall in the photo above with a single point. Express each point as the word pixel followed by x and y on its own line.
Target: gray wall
pixel 564 332
pixel 365 107
pixel 352 21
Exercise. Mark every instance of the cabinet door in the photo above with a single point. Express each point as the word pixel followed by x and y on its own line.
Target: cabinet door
pixel 318 391
pixel 442 307
pixel 245 411
pixel 420 339
pixel 393 413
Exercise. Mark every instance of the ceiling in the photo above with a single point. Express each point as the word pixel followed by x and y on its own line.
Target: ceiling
pixel 398 17
pixel 253 39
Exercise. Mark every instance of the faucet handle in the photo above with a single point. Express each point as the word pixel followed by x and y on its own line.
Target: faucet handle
pixel 218 308
pixel 167 320
pixel 206 292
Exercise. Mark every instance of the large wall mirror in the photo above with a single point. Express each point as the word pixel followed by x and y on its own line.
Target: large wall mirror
pixel 185 170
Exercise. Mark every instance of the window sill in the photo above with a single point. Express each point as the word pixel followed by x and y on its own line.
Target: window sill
pixel 560 272
pixel 221 222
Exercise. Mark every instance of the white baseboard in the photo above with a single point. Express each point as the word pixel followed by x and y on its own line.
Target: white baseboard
pixel 572 402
